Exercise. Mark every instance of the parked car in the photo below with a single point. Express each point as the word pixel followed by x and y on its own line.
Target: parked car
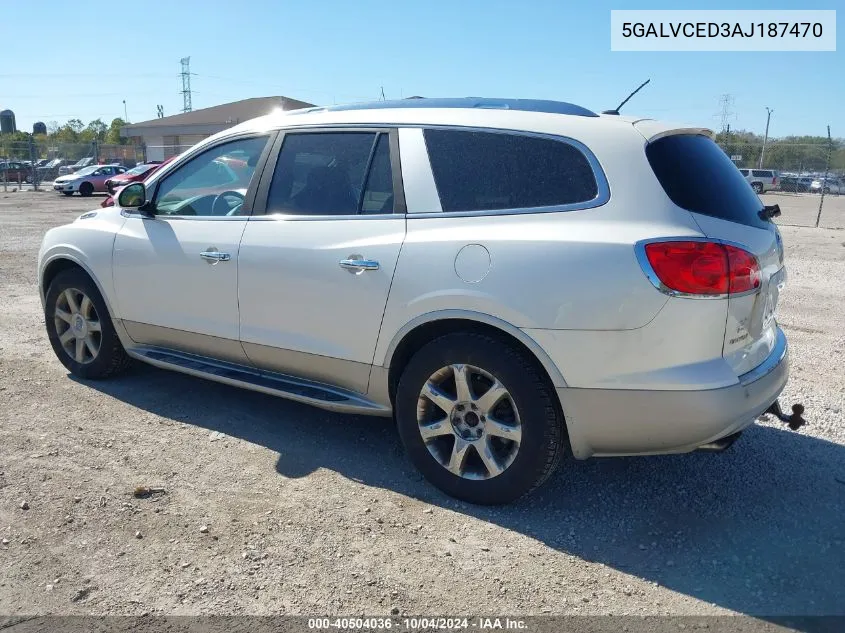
pixel 87 180
pixel 15 171
pixel 136 174
pixel 512 280
pixel 80 164
pixel 831 185
pixel 143 172
pixel 761 180
pixel 796 184
pixel 50 170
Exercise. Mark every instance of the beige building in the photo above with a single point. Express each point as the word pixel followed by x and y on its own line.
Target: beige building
pixel 172 135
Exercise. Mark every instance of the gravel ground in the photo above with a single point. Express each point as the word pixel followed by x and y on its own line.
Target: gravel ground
pixel 273 507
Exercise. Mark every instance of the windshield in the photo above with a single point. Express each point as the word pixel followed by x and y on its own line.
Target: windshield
pixel 139 169
pixel 87 170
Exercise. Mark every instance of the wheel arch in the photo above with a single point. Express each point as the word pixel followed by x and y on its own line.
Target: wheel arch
pixel 65 261
pixel 427 327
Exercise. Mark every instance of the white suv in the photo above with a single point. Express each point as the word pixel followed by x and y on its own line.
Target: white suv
pixel 761 180
pixel 512 280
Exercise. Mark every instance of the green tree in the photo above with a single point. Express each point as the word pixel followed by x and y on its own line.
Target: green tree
pixel 113 134
pixel 94 131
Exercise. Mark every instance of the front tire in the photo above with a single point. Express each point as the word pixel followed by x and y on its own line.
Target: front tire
pixel 80 329
pixel 478 419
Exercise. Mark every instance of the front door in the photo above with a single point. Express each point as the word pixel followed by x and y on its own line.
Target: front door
pixel 176 274
pixel 315 270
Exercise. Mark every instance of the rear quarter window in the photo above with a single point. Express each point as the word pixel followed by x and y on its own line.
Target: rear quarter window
pixel 699 177
pixel 477 171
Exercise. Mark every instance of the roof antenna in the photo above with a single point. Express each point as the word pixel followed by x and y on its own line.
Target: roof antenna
pixel 628 98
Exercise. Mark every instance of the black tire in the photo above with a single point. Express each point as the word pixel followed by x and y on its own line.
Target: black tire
pixel 543 442
pixel 111 358
pixel 86 189
pixel 68 193
pixel 758 187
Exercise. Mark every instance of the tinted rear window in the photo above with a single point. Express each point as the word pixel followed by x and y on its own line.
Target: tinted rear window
pixel 699 177
pixel 477 171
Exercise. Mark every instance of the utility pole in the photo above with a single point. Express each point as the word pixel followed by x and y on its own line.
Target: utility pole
pixel 766 137
pixel 824 181
pixel 726 100
pixel 186 84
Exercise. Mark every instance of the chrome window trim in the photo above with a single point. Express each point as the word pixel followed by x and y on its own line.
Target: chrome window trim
pixel 205 218
pixel 603 187
pixel 645 265
pixel 279 217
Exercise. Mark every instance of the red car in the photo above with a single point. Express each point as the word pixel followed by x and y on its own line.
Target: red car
pixel 136 174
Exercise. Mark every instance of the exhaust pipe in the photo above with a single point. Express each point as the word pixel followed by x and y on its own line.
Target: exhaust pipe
pixel 795 421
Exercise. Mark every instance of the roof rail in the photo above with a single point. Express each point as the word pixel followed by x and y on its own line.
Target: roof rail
pixel 526 105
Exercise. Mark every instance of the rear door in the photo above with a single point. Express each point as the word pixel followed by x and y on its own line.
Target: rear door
pixel 727 209
pixel 315 270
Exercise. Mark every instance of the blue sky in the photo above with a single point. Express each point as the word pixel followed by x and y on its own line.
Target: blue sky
pixel 81 59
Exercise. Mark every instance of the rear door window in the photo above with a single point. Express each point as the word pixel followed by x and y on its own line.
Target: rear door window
pixel 477 171
pixel 700 177
pixel 762 173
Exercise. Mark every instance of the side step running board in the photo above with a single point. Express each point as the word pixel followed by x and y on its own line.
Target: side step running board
pixel 306 391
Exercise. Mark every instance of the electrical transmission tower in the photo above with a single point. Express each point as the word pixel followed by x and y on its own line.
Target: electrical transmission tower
pixel 726 102
pixel 186 84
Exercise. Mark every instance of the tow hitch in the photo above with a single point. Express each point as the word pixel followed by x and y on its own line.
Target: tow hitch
pixel 795 421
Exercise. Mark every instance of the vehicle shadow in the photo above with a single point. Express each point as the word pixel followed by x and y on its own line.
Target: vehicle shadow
pixel 759 529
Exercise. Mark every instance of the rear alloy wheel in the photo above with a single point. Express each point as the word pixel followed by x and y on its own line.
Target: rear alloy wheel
pixel 477 419
pixel 86 189
pixel 80 329
pixel 758 187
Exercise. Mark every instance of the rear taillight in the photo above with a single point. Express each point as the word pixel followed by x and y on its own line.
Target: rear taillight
pixel 774 180
pixel 703 268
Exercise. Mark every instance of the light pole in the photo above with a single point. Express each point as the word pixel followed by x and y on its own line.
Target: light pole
pixel 126 117
pixel 766 137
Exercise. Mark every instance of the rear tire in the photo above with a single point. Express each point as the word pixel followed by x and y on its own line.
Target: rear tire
pixel 472 460
pixel 758 187
pixel 80 328
pixel 86 189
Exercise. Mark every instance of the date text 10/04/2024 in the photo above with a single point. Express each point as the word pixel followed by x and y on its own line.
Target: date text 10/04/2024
pixel 417 623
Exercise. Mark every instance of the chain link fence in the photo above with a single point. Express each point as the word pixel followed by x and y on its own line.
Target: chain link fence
pixel 29 164
pixel 805 179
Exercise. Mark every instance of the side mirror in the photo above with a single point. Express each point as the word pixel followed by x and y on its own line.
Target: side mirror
pixel 132 196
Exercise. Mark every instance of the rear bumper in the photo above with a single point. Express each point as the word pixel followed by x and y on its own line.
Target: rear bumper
pixel 605 422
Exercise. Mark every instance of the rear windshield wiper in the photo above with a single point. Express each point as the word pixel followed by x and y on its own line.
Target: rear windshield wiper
pixel 769 211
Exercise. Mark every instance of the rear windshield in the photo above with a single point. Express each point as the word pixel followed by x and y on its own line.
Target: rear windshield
pixel 699 177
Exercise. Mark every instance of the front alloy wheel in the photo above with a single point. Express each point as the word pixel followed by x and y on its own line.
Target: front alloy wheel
pixel 78 326
pixel 469 422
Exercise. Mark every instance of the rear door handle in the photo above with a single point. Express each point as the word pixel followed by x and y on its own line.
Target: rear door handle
pixel 215 256
pixel 357 265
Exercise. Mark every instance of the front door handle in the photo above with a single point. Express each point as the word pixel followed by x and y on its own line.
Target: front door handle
pixel 358 264
pixel 214 256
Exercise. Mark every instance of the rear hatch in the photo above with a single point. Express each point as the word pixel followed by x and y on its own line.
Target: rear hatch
pixel 699 177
